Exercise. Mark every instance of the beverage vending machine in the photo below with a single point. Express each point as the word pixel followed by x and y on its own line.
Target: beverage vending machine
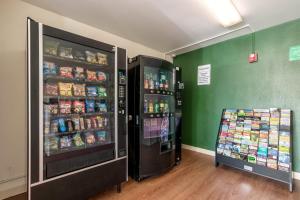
pixel 151 84
pixel 77 114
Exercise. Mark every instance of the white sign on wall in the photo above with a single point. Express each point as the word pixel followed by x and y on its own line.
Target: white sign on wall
pixel 204 75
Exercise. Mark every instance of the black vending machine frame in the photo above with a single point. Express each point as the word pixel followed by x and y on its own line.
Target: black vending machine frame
pixel 163 161
pixel 92 178
pixel 179 86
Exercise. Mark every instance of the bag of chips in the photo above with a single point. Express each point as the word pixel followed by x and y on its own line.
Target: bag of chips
pixel 79 73
pixel 77 140
pixel 65 89
pixel 76 123
pixel 79 90
pixel 49 68
pixel 90 138
pixel 102 58
pixel 81 121
pixel 54 126
pixel 91 91
pixel 101 106
pixel 90 106
pixel 101 76
pixel 101 136
pixel 65 107
pixel 88 123
pixel 51 144
pixel 65 72
pixel 94 122
pixel 102 91
pixel 51 89
pixel 61 125
pixel 65 142
pixel 51 109
pixel 91 75
pixel 65 52
pixel 50 47
pixel 69 125
pixel 100 121
pixel 78 107
pixel 91 57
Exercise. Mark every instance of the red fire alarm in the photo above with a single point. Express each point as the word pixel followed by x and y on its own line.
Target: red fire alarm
pixel 253 57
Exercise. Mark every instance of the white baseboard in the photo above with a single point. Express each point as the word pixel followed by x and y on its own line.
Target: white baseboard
pixel 12 187
pixel 296 175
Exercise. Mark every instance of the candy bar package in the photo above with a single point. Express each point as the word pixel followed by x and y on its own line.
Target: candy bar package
pixel 88 123
pixel 50 89
pixel 65 142
pixel 62 125
pixel 100 121
pixel 90 138
pixel 79 73
pixel 101 136
pixel 102 58
pixel 91 91
pixel 91 75
pixel 101 106
pixel 65 107
pixel 65 52
pixel 90 106
pixel 91 57
pixel 79 90
pixel 49 68
pixel 65 89
pixel 50 47
pixel 94 122
pixel 77 140
pixel 66 72
pixel 102 92
pixel 81 122
pixel 78 107
pixel 79 55
pixel 76 123
pixel 69 125
pixel 54 126
pixel 51 144
pixel 51 109
pixel 101 76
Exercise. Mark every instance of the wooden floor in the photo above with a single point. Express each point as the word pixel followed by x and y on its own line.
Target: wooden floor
pixel 197 178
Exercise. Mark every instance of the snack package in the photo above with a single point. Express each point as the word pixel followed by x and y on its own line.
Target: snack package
pixel 88 123
pixel 90 106
pixel 101 136
pixel 91 75
pixel 91 91
pixel 51 109
pixel 65 107
pixel 100 121
pixel 102 91
pixel 79 73
pixel 46 125
pixel 66 72
pixel 102 58
pixel 65 142
pixel 50 47
pixel 94 122
pixel 65 52
pixel 49 68
pixel 81 122
pixel 101 106
pixel 54 126
pixel 90 138
pixel 62 125
pixel 51 89
pixel 65 89
pixel 51 144
pixel 101 76
pixel 69 125
pixel 79 90
pixel 76 123
pixel 77 140
pixel 78 107
pixel 90 57
pixel 79 55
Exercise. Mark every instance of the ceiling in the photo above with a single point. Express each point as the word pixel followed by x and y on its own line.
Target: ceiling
pixel 169 25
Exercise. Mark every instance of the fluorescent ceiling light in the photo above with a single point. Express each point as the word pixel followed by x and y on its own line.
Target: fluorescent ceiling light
pixel 225 12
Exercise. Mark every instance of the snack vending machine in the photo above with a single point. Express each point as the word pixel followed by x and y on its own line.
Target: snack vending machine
pixel 151 84
pixel 178 114
pixel 77 114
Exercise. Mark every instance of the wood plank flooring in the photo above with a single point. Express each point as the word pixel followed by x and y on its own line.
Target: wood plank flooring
pixel 196 178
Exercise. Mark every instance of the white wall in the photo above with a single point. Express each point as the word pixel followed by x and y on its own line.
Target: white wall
pixel 13 14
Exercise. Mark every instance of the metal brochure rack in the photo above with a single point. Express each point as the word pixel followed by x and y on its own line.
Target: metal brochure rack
pixel 232 140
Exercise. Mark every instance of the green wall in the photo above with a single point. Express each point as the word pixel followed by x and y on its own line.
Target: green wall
pixel 273 81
